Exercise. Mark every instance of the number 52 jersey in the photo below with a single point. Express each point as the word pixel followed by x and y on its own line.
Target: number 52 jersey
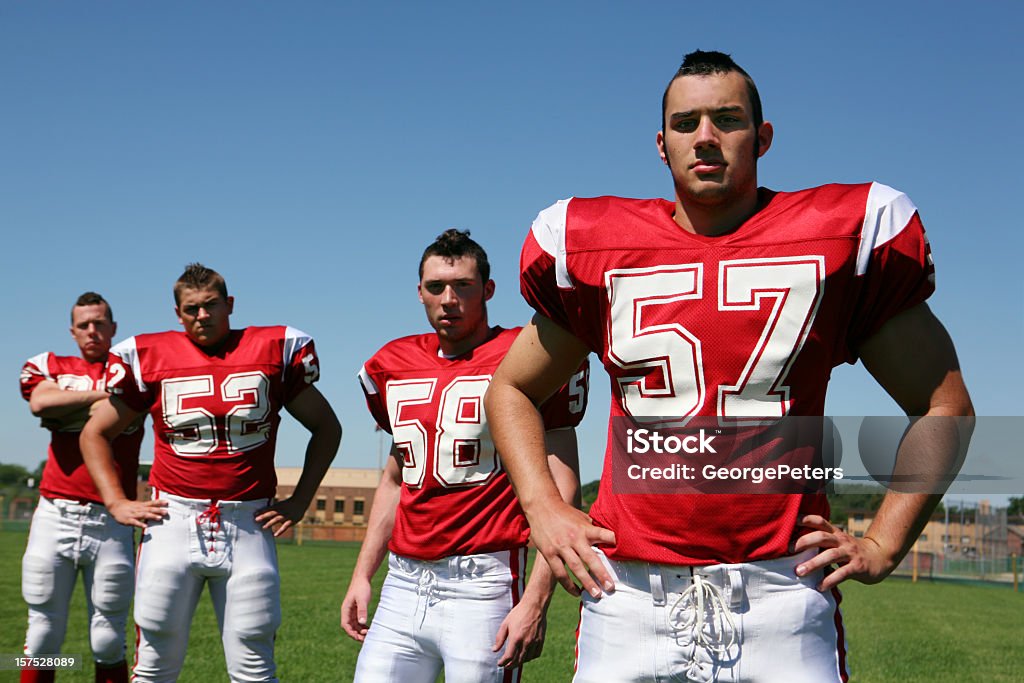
pixel 215 415
pixel 456 498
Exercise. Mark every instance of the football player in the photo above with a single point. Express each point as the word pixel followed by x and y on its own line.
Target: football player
pixel 454 595
pixel 732 303
pixel 71 530
pixel 215 394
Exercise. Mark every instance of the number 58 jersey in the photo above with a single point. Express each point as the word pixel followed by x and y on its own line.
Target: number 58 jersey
pixel 215 415
pixel 456 498
pixel 742 328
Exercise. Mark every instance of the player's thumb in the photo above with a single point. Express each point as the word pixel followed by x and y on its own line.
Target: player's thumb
pixel 361 613
pixel 598 536
pixel 499 639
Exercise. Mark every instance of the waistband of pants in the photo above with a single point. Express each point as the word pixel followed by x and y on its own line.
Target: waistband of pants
pixel 66 505
pixel 456 567
pixel 661 579
pixel 200 504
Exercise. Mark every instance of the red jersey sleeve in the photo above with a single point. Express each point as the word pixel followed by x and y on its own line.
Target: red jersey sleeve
pixel 567 406
pixel 35 370
pixel 124 379
pixel 894 260
pixel 375 399
pixel 301 364
pixel 542 264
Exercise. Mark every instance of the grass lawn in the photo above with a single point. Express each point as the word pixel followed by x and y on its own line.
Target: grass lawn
pixel 897 631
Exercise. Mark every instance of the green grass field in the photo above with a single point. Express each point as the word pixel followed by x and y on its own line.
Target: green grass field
pixel 897 631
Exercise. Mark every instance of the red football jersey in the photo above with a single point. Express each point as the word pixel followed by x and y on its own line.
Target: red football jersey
pixel 215 416
pixel 736 327
pixel 65 475
pixel 456 498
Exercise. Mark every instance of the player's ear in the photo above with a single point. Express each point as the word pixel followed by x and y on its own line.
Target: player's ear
pixel 231 305
pixel 113 329
pixel 764 138
pixel 488 290
pixel 661 149
pixel 177 312
pixel 419 292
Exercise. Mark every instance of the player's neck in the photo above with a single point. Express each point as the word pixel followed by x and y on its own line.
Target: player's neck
pixel 450 348
pixel 710 220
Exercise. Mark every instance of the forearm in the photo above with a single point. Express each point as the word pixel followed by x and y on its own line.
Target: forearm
pixel 98 456
pixel 320 451
pixel 518 433
pixel 928 459
pixel 50 401
pixel 563 463
pixel 378 532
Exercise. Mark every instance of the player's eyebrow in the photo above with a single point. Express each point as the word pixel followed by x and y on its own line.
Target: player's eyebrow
pixel 718 110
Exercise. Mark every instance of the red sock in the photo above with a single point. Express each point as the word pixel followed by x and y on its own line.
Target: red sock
pixel 113 673
pixel 38 675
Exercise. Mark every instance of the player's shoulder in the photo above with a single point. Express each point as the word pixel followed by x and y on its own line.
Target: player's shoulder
pixel 148 341
pixel 410 351
pixel 596 222
pixel 856 199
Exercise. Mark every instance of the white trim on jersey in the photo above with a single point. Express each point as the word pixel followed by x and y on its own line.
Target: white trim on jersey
pixel 128 352
pixel 369 386
pixel 549 231
pixel 41 363
pixel 885 216
pixel 294 340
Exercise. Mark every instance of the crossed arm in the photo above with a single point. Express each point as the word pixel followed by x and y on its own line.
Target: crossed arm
pixel 911 356
pixel 60 407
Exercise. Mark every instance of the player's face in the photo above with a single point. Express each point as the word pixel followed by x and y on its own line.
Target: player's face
pixel 455 299
pixel 709 141
pixel 205 315
pixel 93 330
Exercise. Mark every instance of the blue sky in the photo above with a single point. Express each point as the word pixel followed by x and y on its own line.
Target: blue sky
pixel 309 151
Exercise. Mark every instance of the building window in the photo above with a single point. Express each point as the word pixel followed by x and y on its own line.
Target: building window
pixel 357 507
pixel 321 504
pixel 339 506
pixel 924 537
pixel 858 518
pixel 858 534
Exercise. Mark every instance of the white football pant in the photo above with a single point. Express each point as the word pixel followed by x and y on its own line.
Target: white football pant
pixel 221 546
pixel 446 614
pixel 751 622
pixel 67 537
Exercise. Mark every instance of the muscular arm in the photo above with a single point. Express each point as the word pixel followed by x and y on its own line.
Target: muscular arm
pixel 109 418
pixel 375 547
pixel 524 628
pixel 913 359
pixel 313 411
pixel 542 358
pixel 51 402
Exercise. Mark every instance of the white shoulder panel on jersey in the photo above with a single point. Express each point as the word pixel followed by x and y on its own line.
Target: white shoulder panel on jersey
pixel 549 231
pixel 294 341
pixel 129 355
pixel 40 362
pixel 886 215
pixel 369 386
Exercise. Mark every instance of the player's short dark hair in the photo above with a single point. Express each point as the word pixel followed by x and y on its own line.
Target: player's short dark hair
pixel 92 299
pixel 198 276
pixel 707 63
pixel 452 244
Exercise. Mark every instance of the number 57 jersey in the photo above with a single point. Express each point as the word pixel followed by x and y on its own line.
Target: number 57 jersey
pixel 215 415
pixel 742 329
pixel 456 498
